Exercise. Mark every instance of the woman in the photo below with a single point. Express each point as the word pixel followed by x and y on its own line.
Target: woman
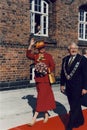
pixel 43 62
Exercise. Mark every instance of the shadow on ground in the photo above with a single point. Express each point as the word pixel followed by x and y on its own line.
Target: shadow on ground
pixel 60 109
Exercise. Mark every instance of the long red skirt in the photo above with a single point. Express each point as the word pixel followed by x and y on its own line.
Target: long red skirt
pixel 45 97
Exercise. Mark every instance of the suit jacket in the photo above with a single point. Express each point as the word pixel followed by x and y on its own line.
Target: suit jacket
pixel 78 79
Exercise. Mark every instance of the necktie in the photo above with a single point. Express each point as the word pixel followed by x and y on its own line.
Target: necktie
pixel 70 61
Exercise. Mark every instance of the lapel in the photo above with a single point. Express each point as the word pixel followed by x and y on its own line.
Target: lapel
pixel 69 68
pixel 70 71
pixel 66 63
pixel 67 60
pixel 75 60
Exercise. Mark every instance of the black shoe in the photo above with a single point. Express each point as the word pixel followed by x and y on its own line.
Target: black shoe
pixel 78 125
pixel 69 128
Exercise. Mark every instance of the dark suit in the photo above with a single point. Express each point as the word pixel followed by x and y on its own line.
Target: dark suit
pixel 74 81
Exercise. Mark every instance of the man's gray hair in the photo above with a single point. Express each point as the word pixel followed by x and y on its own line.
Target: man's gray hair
pixel 73 44
pixel 84 51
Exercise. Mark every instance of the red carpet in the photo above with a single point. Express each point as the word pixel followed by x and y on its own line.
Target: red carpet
pixel 54 123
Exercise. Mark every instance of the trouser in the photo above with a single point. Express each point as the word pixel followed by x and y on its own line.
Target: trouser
pixel 76 116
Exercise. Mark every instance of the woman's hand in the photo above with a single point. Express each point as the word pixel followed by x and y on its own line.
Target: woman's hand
pixel 32 42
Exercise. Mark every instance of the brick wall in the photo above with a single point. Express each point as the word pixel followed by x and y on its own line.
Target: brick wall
pixel 14 64
pixel 14 21
pixel 15 32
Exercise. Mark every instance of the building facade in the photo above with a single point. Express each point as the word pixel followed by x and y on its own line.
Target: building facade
pixel 57 22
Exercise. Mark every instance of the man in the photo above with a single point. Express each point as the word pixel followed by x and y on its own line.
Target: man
pixel 84 52
pixel 74 78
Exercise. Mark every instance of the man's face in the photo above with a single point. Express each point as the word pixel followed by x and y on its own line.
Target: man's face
pixel 85 54
pixel 73 50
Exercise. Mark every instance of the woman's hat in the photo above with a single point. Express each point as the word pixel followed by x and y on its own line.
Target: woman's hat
pixel 39 45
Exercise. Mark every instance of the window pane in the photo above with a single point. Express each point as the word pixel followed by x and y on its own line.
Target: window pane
pixel 30 4
pixel 81 31
pixel 44 19
pixel 86 17
pixel 82 16
pixel 44 31
pixel 39 17
pixel 86 31
pixel 44 8
pixel 44 22
pixel 37 23
pixel 38 5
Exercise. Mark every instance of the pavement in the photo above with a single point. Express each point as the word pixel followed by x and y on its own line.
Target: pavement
pixel 16 106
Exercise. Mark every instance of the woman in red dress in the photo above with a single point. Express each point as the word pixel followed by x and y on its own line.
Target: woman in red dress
pixel 43 61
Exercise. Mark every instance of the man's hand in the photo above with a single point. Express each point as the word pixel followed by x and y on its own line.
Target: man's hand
pixel 84 91
pixel 62 89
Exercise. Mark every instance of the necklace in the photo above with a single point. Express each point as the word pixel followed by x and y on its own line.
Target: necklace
pixel 69 76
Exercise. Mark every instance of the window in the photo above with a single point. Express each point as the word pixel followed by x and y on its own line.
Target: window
pixel 39 17
pixel 83 24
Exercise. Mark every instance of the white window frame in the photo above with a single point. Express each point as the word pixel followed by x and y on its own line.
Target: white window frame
pixel 82 26
pixel 42 15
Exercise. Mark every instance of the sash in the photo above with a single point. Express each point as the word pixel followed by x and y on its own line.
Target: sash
pixel 69 76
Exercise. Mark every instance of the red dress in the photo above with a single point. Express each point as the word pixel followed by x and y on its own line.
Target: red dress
pixel 45 97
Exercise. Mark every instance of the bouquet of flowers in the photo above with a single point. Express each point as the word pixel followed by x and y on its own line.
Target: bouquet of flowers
pixel 40 69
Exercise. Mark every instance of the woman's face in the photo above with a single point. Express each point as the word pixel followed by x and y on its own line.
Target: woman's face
pixel 42 50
